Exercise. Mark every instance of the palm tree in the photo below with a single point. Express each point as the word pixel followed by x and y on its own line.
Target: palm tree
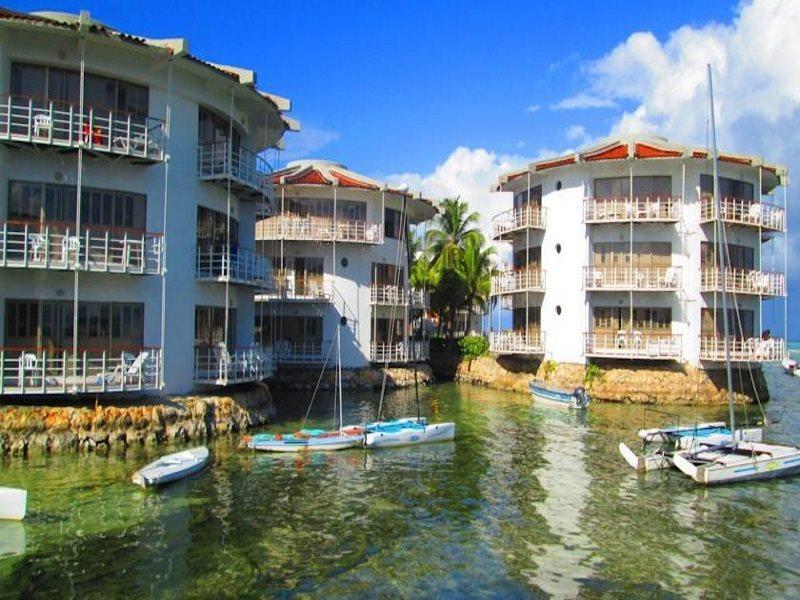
pixel 475 270
pixel 451 227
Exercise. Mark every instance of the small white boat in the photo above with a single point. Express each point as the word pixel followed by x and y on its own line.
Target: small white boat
pixel 172 467
pixel 744 461
pixel 577 398
pixel 406 432
pixel 790 366
pixel 308 440
pixel 13 503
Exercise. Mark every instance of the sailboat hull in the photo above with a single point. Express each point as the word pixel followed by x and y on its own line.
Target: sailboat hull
pixel 290 443
pixel 409 435
pixel 751 461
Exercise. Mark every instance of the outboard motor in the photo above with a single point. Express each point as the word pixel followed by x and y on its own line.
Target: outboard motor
pixel 580 398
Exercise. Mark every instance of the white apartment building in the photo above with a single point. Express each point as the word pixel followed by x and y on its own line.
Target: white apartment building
pixel 131 175
pixel 615 255
pixel 337 246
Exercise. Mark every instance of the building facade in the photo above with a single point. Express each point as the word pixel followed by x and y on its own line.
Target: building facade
pixel 132 173
pixel 337 247
pixel 615 255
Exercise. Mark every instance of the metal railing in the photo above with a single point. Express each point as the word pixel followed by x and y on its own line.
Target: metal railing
pixel 743 281
pixel 645 209
pixel 319 229
pixel 290 287
pixel 246 267
pixel 744 212
pixel 222 161
pixel 633 345
pixel 300 353
pixel 395 295
pixel 56 246
pixel 217 366
pixel 36 121
pixel 516 342
pixel 523 280
pixel 742 350
pixel 667 279
pixel 508 221
pixel 400 352
pixel 59 371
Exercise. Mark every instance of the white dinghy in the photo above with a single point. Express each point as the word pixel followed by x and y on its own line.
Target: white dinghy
pixel 172 467
pixel 13 503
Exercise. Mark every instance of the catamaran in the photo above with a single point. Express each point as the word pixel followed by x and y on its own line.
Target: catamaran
pixel 732 460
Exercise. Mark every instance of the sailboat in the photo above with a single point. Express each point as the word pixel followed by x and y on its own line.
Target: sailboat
pixel 733 460
pixel 408 430
pixel 315 439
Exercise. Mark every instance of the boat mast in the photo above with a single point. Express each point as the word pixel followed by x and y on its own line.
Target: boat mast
pixel 721 247
pixel 406 285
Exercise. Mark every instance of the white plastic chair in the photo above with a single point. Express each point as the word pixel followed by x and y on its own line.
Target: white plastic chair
pixel 27 365
pixel 36 243
pixel 754 213
pixel 42 125
pixel 670 277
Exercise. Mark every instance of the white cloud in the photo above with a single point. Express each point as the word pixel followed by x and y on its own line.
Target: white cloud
pixel 307 141
pixel 532 108
pixel 583 100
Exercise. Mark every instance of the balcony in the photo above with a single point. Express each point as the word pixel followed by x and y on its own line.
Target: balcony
pixel 509 222
pixel 53 371
pixel 744 212
pixel 300 353
pixel 55 246
pixel 633 345
pixel 523 280
pixel 644 279
pixel 394 295
pixel 319 229
pixel 217 366
pixel 246 267
pixel 646 209
pixel 58 124
pixel 400 352
pixel 249 174
pixel 296 289
pixel 516 342
pixel 743 281
pixel 742 350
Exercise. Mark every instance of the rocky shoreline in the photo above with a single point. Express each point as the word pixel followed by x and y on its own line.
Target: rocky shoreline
pixel 610 381
pixel 367 378
pixel 25 429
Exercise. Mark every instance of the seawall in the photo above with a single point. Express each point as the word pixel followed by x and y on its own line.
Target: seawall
pixel 25 429
pixel 367 378
pixel 609 381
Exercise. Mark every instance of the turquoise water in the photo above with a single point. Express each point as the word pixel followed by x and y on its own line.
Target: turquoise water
pixel 528 501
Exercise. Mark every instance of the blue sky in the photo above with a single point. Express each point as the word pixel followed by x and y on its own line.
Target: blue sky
pixel 445 95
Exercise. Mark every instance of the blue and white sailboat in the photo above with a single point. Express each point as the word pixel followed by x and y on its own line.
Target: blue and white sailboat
pixel 577 398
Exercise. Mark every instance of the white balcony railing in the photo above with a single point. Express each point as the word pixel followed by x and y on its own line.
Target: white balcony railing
pixel 290 287
pixel 523 280
pixel 300 353
pixel 54 371
pixel 633 345
pixel 217 366
pixel 645 209
pixel 245 266
pixel 56 246
pixel 247 171
pixel 509 221
pixel 744 212
pixel 516 342
pixel 53 123
pixel 656 279
pixel 742 350
pixel 395 295
pixel 319 229
pixel 399 352
pixel 743 281
pixel 420 299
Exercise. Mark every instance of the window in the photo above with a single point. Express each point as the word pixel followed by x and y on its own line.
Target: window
pixel 739 257
pixel 352 210
pixel 741 326
pixel 387 274
pixel 386 331
pixel 610 319
pixel 534 319
pixel 643 186
pixel 43 84
pixel 295 330
pixel 643 254
pixel 728 188
pixel 214 128
pixel 212 228
pixel 393 225
pixel 534 256
pixel 209 326
pixel 532 196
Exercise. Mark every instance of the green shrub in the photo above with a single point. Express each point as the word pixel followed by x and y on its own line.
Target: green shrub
pixel 473 346
pixel 592 372
pixel 550 367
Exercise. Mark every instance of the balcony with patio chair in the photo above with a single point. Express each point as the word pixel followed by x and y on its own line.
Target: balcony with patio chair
pixel 645 209
pixel 748 213
pixel 288 287
pixel 238 266
pixel 751 350
pixel 516 342
pixel 217 366
pixel 399 352
pixel 637 278
pixel 509 222
pixel 27 120
pixel 633 345
pixel 57 246
pixel 743 281
pixel 293 227
pixel 248 173
pixel 518 281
